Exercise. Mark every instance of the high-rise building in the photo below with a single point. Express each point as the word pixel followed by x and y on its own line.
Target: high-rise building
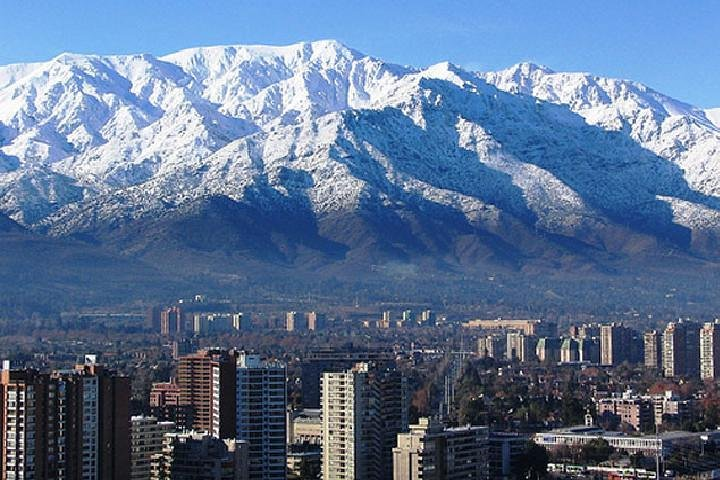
pixel 681 349
pixel 292 322
pixel 165 405
pixel 152 318
pixel 67 424
pixel 505 449
pixel 206 381
pixel 427 318
pixel 520 347
pixel 570 350
pixel 431 452
pixel 199 456
pixel 146 440
pixel 331 360
pixel 589 349
pixel 214 323
pixel 315 321
pixel 693 349
pixel 363 409
pixel 710 351
pixel 652 341
pixel 618 344
pixel 108 412
pixel 25 426
pixel 491 346
pixel 171 321
pixel 548 350
pixel 528 327
pixel 385 320
pixel 674 354
pixel 183 346
pixel 261 416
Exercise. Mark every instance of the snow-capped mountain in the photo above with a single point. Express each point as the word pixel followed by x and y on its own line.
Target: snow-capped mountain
pixel 713 114
pixel 344 153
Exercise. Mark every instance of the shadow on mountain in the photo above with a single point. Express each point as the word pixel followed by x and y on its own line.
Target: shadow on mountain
pixel 610 171
pixel 38 272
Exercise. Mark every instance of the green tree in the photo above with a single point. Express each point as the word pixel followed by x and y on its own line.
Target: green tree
pixel 596 451
pixel 532 464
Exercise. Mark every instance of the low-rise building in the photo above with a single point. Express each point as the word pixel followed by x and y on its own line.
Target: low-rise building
pixel 648 445
pixel 628 409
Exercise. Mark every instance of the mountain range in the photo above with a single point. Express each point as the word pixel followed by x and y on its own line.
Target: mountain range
pixel 215 165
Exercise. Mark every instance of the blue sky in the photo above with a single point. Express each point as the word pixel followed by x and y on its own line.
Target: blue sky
pixel 673 46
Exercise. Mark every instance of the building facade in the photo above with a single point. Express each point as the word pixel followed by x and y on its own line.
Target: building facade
pixel 68 424
pixel 261 419
pixel 431 452
pixel 653 348
pixel 363 409
pixel 146 440
pixel 206 383
pixel 710 351
pixel 199 456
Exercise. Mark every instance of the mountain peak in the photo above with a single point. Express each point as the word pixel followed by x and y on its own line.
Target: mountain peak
pixel 528 68
pixel 304 49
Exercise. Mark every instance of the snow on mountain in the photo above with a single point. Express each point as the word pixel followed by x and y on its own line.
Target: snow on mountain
pixel 713 114
pixel 672 129
pixel 90 143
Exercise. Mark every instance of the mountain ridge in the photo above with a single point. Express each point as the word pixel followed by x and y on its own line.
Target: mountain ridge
pixel 316 156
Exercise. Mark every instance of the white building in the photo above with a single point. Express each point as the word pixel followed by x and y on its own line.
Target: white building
pixel 261 418
pixel 363 409
pixel 649 445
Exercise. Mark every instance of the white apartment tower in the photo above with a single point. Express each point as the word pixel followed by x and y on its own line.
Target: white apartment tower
pixel 261 417
pixel 363 409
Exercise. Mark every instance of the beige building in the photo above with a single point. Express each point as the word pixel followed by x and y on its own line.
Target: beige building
pixel 652 341
pixel 638 412
pixel 363 409
pixel 431 452
pixel 292 322
pixel 491 346
pixel 520 347
pixel 385 320
pixel 315 321
pixel 528 327
pixel 146 440
pixel 710 351
pixel 616 345
pixel 305 426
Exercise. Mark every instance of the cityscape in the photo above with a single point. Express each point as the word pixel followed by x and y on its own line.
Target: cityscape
pixel 315 240
pixel 350 393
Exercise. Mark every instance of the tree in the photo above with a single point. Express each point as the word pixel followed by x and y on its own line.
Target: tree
pixel 596 451
pixel 532 464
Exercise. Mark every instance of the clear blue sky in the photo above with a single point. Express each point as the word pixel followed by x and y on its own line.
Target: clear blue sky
pixel 673 46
